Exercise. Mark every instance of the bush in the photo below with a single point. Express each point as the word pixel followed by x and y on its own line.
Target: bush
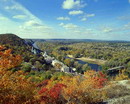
pixel 74 90
pixel 15 88
pixel 26 67
pixel 116 91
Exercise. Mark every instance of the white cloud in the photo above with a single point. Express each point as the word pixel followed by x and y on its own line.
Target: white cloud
pixel 3 18
pixel 85 16
pixel 13 7
pixel 76 12
pixel 107 30
pixel 63 18
pixel 19 16
pixel 71 4
pixel 126 26
pixel 16 9
pixel 32 23
pixel 124 17
pixel 68 26
pixel 84 19
pixel 35 24
pixel 90 15
pixel 29 25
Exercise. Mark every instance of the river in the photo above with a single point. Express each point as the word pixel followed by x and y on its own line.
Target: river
pixel 95 67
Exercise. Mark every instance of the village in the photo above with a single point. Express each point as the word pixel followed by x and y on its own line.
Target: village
pixel 59 66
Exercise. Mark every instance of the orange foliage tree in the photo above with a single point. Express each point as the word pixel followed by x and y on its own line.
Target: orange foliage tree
pixel 8 60
pixel 122 75
pixel 83 89
pixel 14 87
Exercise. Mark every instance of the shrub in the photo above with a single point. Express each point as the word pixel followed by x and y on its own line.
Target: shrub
pixel 116 91
pixel 74 90
pixel 122 75
pixel 15 88
pixel 8 60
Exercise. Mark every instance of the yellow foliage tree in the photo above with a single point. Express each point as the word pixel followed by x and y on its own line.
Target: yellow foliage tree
pixel 121 76
pixel 14 87
pixel 85 89
pixel 8 60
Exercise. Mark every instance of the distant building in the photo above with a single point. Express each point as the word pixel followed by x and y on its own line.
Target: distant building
pixel 48 59
pixel 65 69
pixel 35 50
pixel 72 70
pixel 45 54
pixel 56 61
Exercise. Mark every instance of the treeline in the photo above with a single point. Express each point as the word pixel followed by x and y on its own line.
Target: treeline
pixel 52 88
pixel 114 53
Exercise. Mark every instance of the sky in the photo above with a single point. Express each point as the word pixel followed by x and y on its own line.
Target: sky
pixel 66 19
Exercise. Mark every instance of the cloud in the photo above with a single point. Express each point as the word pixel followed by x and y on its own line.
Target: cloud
pixel 30 24
pixel 85 16
pixel 129 1
pixel 90 15
pixel 3 18
pixel 126 26
pixel 84 19
pixel 19 16
pixel 63 18
pixel 16 8
pixel 12 7
pixel 68 26
pixel 72 4
pixel 107 30
pixel 36 25
pixel 76 12
pixel 124 18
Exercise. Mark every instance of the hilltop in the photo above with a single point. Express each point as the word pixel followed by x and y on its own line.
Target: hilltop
pixel 12 40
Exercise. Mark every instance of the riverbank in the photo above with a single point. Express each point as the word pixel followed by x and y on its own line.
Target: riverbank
pixel 90 60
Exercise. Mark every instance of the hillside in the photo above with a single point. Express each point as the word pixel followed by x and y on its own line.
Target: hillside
pixel 12 40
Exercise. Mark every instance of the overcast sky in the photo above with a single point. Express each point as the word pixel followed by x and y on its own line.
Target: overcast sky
pixel 71 19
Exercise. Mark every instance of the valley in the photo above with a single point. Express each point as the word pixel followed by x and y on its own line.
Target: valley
pixel 93 65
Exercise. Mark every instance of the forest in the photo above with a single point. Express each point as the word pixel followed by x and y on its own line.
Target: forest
pixel 107 54
pixel 26 78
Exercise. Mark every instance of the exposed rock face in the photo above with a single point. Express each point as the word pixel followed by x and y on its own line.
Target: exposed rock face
pixel 123 93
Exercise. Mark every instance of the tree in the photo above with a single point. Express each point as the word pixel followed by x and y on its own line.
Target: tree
pixel 38 65
pixel 8 60
pixel 85 67
pixel 67 61
pixel 74 90
pixel 58 66
pixel 26 67
pixel 14 87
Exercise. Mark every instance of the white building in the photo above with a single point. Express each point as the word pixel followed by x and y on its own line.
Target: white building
pixel 65 69
pixel 74 69
pixel 48 59
pixel 56 61
pixel 45 54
